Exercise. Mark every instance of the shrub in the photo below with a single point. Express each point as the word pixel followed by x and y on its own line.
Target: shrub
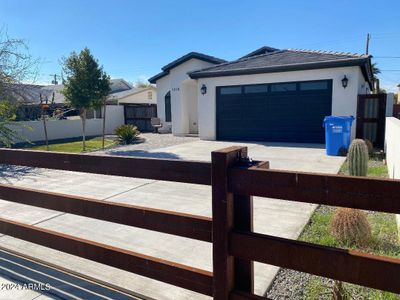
pixel 358 158
pixel 370 147
pixel 351 227
pixel 126 133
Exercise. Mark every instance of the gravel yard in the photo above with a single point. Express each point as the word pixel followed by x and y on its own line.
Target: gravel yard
pixel 290 284
pixel 148 141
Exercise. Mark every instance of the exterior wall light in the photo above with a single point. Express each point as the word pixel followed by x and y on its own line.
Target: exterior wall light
pixel 203 89
pixel 345 82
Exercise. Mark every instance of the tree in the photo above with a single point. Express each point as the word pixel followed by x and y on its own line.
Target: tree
pixel 86 84
pixel 8 126
pixel 142 84
pixel 16 66
pixel 375 70
pixel 7 116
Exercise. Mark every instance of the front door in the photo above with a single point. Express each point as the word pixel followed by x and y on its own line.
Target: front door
pixel 371 112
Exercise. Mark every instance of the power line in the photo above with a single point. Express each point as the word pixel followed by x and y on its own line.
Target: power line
pixel 386 57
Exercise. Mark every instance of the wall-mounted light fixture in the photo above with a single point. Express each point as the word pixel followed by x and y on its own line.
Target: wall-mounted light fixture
pixel 345 82
pixel 203 89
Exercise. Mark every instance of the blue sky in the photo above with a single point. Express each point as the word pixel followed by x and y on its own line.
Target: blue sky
pixel 134 39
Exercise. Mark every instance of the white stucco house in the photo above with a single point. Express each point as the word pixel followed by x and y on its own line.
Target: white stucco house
pixel 269 94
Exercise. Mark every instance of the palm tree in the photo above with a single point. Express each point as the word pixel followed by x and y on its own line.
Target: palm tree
pixel 375 70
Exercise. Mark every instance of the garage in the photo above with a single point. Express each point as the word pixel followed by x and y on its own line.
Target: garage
pixel 274 112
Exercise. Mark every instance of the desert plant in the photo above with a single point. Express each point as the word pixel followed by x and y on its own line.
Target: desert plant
pixel 370 147
pixel 358 158
pixel 126 133
pixel 351 227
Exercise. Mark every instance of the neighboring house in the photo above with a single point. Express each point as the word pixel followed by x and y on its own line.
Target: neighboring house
pixel 268 95
pixel 140 106
pixel 121 92
pixel 147 95
pixel 30 94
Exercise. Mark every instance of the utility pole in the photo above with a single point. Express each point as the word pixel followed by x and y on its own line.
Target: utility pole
pixel 367 44
pixel 55 82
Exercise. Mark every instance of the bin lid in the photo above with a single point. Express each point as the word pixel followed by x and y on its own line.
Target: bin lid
pixel 338 119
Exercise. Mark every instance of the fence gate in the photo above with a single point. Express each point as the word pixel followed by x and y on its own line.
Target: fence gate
pixel 371 112
pixel 140 115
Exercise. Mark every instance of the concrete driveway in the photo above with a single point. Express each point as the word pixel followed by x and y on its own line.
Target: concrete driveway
pixel 272 216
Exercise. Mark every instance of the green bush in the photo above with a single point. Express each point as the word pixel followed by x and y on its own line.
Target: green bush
pixel 127 133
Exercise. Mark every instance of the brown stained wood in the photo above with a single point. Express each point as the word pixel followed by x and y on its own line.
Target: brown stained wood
pixel 149 168
pixel 243 220
pixel 367 193
pixel 345 265
pixel 234 181
pixel 181 224
pixel 223 220
pixel 376 117
pixel 166 271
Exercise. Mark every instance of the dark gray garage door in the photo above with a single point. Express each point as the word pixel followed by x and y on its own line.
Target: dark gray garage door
pixel 280 112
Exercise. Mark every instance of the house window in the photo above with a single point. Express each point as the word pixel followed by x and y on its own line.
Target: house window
pixel 283 87
pixel 255 89
pixel 315 85
pixel 231 90
pixel 149 95
pixel 167 100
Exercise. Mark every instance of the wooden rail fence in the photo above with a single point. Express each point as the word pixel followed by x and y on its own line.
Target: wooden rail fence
pixel 234 180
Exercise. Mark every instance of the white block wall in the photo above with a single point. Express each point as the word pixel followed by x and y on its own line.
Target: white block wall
pixel 392 149
pixel 392 146
pixel 64 129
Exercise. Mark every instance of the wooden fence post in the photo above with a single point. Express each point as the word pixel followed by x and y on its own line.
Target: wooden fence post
pixel 229 211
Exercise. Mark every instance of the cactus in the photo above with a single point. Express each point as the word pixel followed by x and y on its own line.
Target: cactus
pixel 351 227
pixel 358 158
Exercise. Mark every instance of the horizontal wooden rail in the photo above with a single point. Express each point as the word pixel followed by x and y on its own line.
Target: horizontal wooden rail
pixel 173 273
pixel 186 225
pixel 335 190
pixel 149 168
pixel 345 265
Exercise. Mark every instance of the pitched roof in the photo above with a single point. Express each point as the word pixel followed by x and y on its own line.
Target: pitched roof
pixel 119 85
pixel 287 60
pixel 181 60
pixel 133 91
pixel 259 51
pixel 30 94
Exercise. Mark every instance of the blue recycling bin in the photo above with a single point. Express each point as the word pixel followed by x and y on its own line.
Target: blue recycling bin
pixel 337 134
